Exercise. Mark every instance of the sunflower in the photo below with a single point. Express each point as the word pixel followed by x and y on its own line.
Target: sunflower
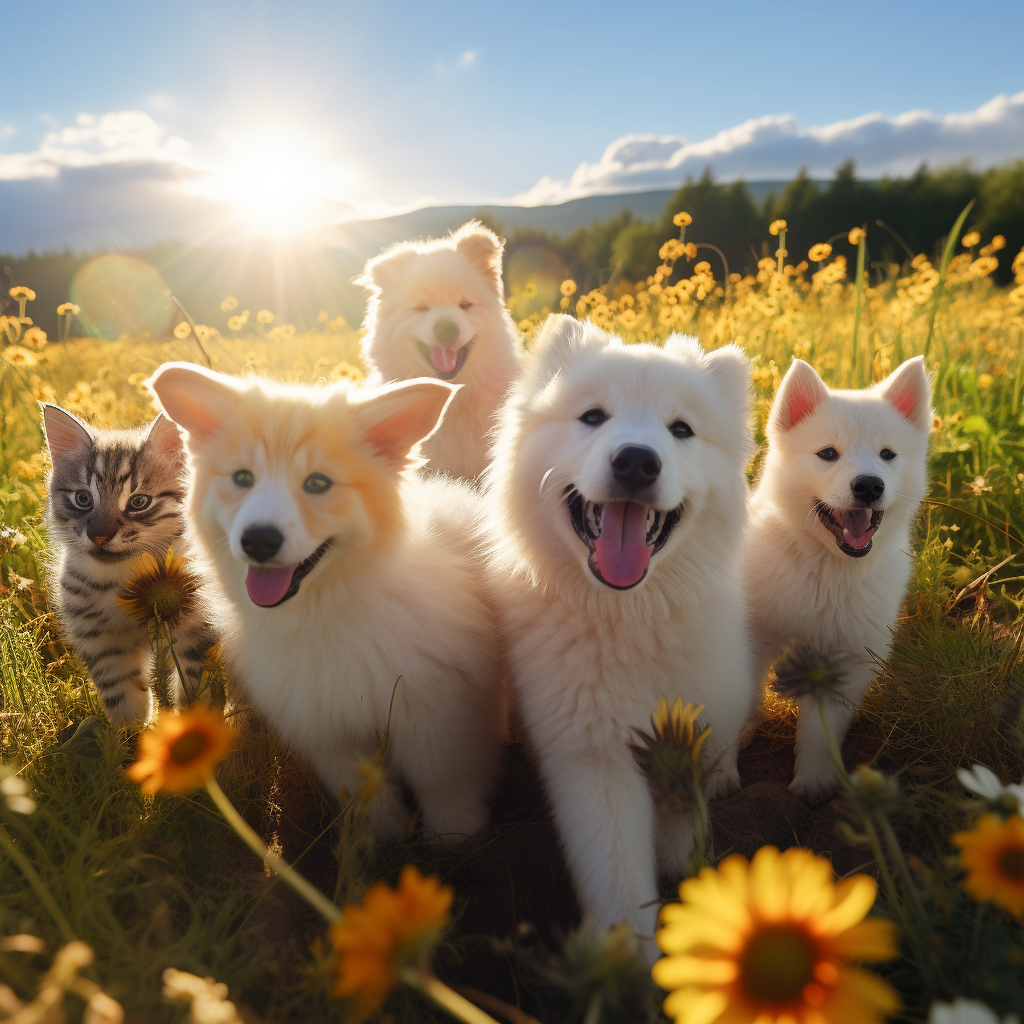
pixel 159 590
pixel 181 752
pixel 992 853
pixel 670 754
pixel 392 928
pixel 774 940
pixel 805 672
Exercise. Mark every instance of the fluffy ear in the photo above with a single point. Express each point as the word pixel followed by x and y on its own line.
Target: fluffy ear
pixel 562 338
pixel 482 246
pixel 799 394
pixel 201 401
pixel 165 439
pixel 397 416
pixel 908 389
pixel 67 437
pixel 730 368
pixel 387 269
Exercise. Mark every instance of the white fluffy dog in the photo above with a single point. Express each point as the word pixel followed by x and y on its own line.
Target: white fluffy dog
pixel 827 553
pixel 438 308
pixel 350 609
pixel 618 502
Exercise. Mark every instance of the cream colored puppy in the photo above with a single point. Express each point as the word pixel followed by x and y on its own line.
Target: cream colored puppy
pixel 349 611
pixel 617 498
pixel 438 308
pixel 827 554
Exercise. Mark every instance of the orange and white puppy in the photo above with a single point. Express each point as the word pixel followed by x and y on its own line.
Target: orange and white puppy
pixel 438 308
pixel 349 608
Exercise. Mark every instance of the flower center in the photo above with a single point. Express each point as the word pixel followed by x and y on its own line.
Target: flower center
pixel 1011 863
pixel 185 749
pixel 165 598
pixel 777 964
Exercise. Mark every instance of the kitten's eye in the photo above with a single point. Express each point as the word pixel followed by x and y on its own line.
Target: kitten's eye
pixel 888 454
pixel 680 429
pixel 83 499
pixel 137 502
pixel 244 478
pixel 316 483
pixel 594 417
pixel 465 305
pixel 828 454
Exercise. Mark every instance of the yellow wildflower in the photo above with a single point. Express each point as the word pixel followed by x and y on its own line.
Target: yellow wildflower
pixel 183 330
pixel 992 854
pixel 264 316
pixel 229 304
pixel 182 751
pixel 820 252
pixel 856 236
pixel 777 226
pixel 971 239
pixel 682 219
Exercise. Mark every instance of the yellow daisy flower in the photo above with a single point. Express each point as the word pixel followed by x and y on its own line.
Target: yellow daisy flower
pixel 777 226
pixel 229 304
pixel 567 288
pixel 992 854
pixel 264 316
pixel 182 751
pixel 158 589
pixel 670 753
pixel 971 239
pixel 22 294
pixel 17 355
pixel 35 337
pixel 774 941
pixel 682 219
pixel 818 253
pixel 392 928
pixel 183 330
pixel 856 236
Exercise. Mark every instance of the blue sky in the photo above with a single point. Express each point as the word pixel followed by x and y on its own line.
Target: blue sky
pixel 471 101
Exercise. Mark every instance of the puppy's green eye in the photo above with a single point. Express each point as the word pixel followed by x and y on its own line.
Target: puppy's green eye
pixel 828 454
pixel 316 483
pixel 243 478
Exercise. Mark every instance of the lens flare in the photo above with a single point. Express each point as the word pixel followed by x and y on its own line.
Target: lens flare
pixel 122 295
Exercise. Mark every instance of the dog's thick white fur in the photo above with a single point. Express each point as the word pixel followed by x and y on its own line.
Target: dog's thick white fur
pixel 438 308
pixel 583 435
pixel 827 552
pixel 349 608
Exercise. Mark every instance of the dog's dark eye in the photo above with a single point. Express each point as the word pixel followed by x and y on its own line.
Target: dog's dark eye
pixel 828 454
pixel 594 417
pixel 137 502
pixel 83 499
pixel 888 454
pixel 465 305
pixel 680 429
pixel 243 478
pixel 316 483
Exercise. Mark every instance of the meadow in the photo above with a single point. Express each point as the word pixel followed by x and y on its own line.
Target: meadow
pixel 151 882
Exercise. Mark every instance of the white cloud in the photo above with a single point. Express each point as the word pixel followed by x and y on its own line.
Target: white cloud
pixel 466 59
pixel 776 147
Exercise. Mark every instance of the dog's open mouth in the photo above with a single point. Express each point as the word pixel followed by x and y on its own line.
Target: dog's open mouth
pixel 445 362
pixel 269 586
pixel 622 536
pixel 853 528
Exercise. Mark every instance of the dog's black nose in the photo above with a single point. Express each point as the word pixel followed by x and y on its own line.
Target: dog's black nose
pixel 635 466
pixel 262 542
pixel 867 489
pixel 446 331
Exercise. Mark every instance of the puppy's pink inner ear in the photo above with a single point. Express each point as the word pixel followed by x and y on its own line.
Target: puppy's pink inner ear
pixel 906 399
pixel 413 417
pixel 800 405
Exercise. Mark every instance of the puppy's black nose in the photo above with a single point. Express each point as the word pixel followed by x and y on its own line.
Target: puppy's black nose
pixel 446 331
pixel 262 542
pixel 867 489
pixel 635 466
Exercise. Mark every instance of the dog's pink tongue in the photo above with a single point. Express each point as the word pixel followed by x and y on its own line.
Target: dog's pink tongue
pixel 621 550
pixel 444 359
pixel 267 585
pixel 856 524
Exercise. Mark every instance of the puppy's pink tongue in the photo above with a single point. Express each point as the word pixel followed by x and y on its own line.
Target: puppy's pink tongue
pixel 621 550
pixel 856 523
pixel 267 585
pixel 444 359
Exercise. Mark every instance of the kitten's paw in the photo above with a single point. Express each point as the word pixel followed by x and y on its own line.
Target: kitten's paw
pixel 815 783
pixel 722 782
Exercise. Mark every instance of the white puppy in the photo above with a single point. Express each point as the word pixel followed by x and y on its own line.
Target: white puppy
pixel 349 611
pixel 827 553
pixel 618 502
pixel 438 308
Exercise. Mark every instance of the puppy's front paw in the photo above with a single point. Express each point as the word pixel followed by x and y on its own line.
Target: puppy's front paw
pixel 722 782
pixel 815 784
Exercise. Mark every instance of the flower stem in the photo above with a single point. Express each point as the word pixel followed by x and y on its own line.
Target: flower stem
pixel 448 999
pixel 316 899
pixel 174 657
pixel 45 897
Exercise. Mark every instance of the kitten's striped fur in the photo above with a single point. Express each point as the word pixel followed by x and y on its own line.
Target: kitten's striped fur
pixel 115 494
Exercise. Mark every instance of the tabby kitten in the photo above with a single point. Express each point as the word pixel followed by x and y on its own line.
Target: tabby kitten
pixel 115 494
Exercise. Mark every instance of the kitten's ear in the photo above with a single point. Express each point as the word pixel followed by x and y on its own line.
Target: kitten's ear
pixel 67 437
pixel 201 401
pixel 165 439
pixel 910 392
pixel 800 393
pixel 397 416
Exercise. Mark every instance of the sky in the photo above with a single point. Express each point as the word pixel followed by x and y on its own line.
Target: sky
pixel 210 119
